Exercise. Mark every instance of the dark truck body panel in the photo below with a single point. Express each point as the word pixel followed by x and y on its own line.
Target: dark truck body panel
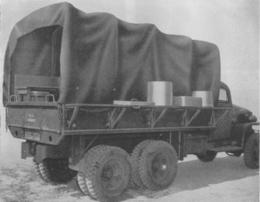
pixel 90 117
pixel 36 123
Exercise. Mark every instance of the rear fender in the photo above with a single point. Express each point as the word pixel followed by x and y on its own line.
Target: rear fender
pixel 48 151
pixel 42 151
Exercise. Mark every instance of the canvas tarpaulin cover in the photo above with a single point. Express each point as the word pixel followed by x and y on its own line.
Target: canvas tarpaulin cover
pixel 100 58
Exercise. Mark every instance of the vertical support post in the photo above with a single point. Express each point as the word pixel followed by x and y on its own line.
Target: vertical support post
pixel 212 121
pixel 180 145
pixel 61 112
pixel 184 118
pixel 170 137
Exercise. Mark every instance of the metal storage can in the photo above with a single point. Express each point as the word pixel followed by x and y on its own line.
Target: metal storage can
pixel 206 96
pixel 160 92
pixel 187 101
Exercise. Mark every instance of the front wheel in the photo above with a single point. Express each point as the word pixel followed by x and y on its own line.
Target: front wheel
pixel 207 156
pixel 251 152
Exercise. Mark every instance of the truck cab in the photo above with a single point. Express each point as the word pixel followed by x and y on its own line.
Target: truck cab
pixel 234 125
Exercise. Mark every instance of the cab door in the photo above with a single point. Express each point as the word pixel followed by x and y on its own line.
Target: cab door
pixel 223 115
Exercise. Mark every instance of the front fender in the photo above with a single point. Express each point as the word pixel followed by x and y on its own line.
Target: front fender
pixel 241 131
pixel 242 115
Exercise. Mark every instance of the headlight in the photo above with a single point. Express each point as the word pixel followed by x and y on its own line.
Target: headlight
pixel 252 118
pixel 256 128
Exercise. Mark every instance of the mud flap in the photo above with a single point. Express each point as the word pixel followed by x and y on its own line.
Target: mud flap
pixel 26 150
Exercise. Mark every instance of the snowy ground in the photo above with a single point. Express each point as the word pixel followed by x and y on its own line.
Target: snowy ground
pixel 225 179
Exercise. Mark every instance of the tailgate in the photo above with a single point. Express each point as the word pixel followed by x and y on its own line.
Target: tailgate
pixel 40 124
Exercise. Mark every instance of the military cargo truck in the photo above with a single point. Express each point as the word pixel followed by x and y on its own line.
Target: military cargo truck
pixel 63 71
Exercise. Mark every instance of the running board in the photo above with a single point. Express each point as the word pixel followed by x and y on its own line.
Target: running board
pixel 226 149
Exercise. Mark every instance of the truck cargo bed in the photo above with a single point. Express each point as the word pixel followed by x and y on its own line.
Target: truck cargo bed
pixel 49 123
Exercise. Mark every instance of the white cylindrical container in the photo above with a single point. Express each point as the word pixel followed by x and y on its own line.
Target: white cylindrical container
pixel 160 92
pixel 206 96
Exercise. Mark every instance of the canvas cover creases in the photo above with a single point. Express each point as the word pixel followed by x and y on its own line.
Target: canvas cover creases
pixel 99 58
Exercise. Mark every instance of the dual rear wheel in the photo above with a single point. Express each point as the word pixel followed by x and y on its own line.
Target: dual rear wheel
pixel 106 173
pixel 154 165
pixel 108 170
pixel 54 171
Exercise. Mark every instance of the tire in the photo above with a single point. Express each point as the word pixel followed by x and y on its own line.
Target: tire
pixel 82 179
pixel 55 171
pixel 82 184
pixel 81 176
pixel 251 152
pixel 207 156
pixel 107 172
pixel 135 180
pixel 158 165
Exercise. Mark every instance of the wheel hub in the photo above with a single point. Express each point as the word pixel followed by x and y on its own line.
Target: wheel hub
pixel 107 173
pixel 112 175
pixel 160 166
pixel 164 167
